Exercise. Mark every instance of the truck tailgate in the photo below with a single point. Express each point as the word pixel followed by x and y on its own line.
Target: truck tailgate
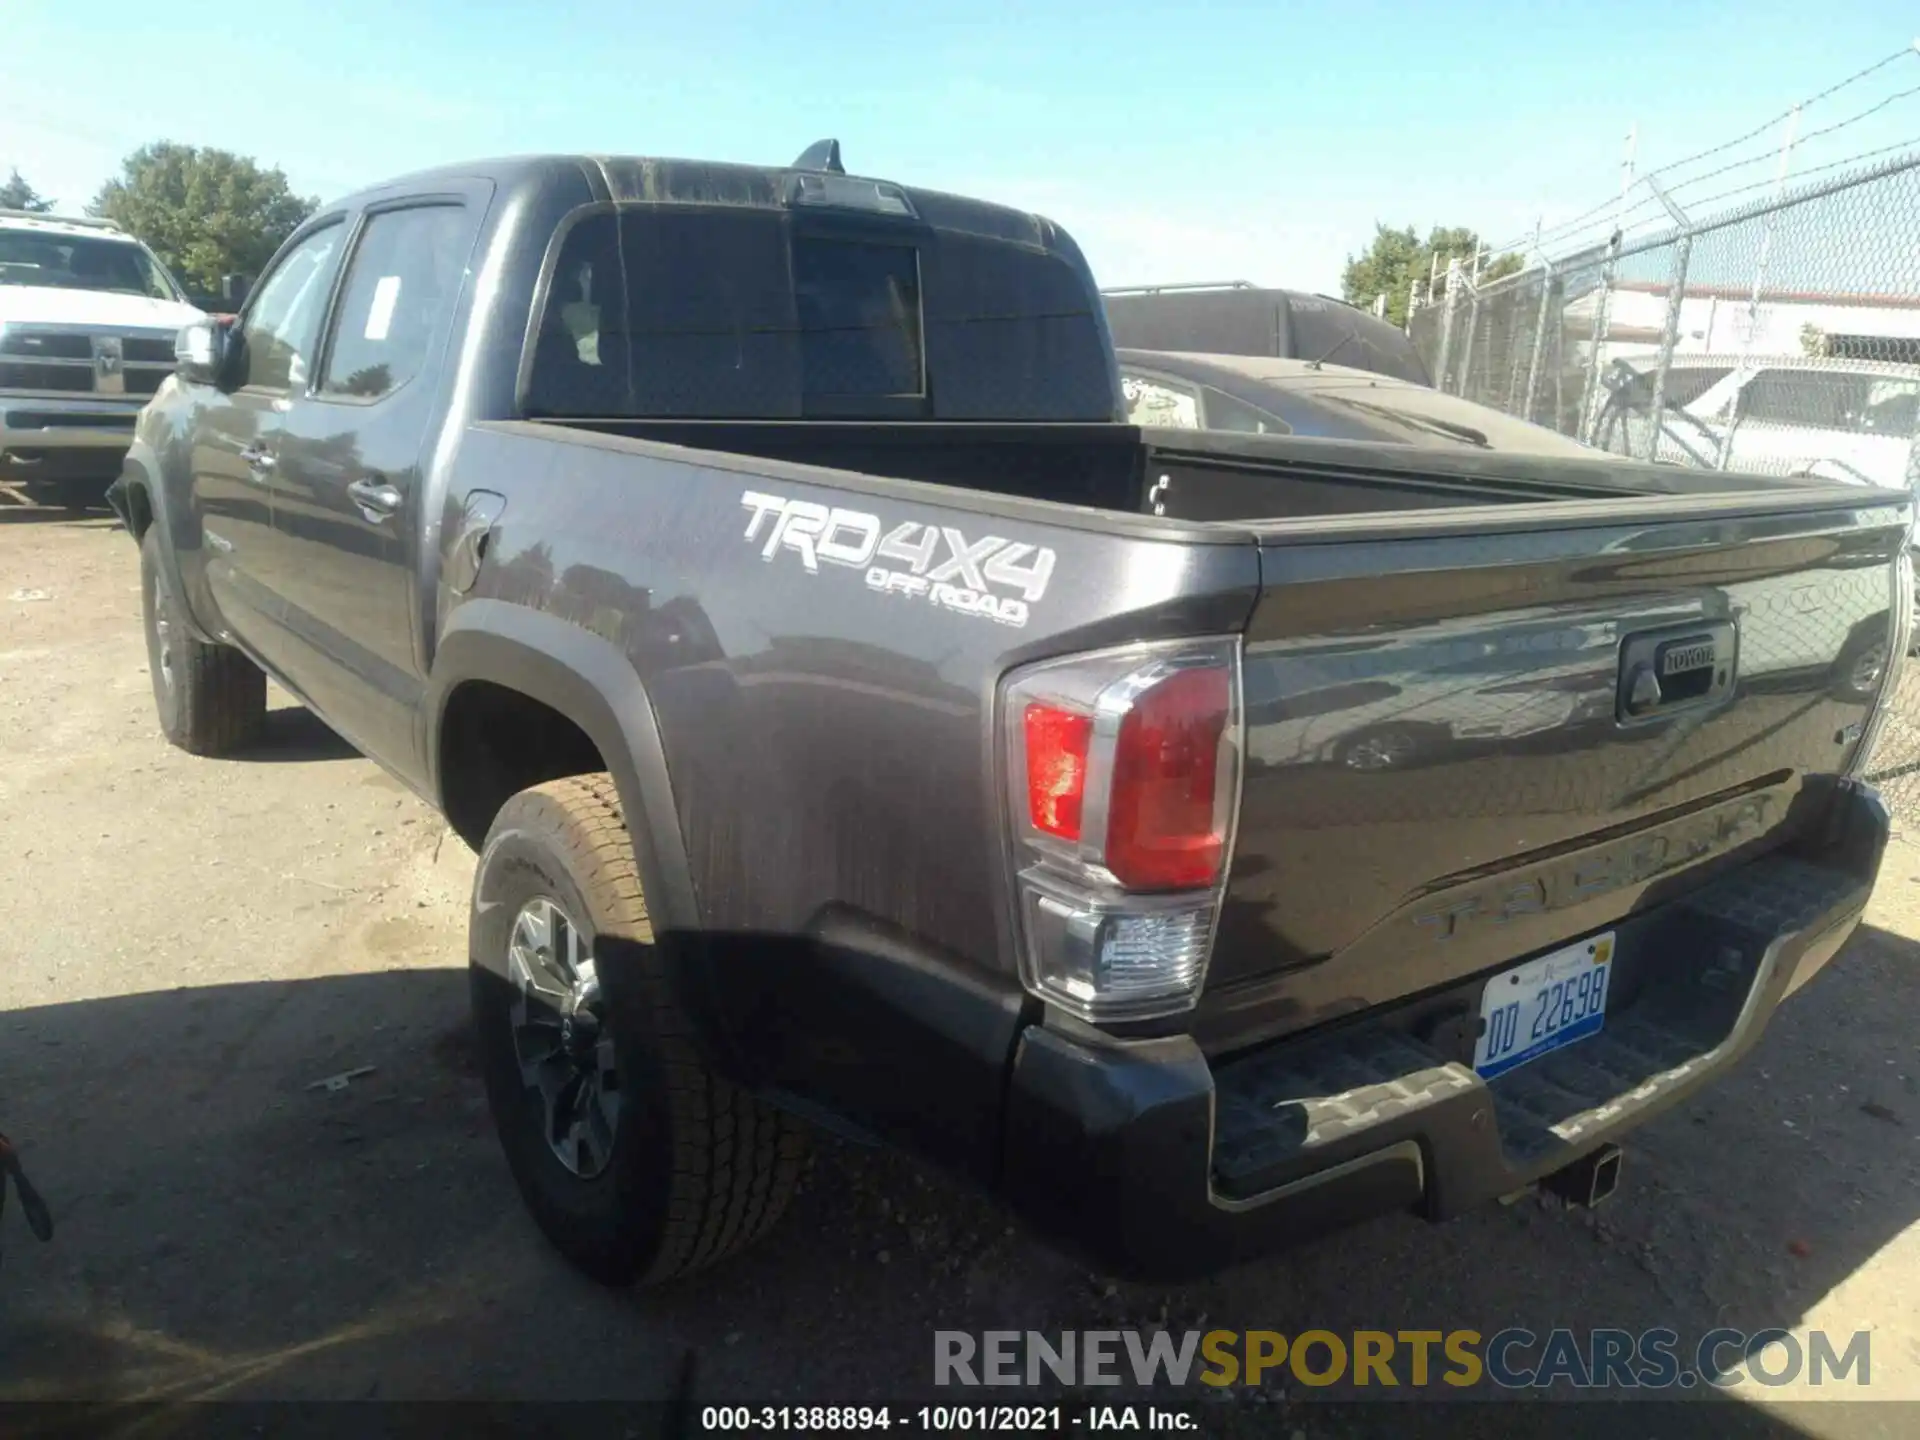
pixel 1473 735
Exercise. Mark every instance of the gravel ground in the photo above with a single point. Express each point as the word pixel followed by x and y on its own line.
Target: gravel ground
pixel 190 944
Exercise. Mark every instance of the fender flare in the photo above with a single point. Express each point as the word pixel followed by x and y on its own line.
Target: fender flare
pixel 142 471
pixel 589 680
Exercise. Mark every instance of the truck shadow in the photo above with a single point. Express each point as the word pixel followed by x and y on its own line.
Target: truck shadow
pixel 293 734
pixel 228 1226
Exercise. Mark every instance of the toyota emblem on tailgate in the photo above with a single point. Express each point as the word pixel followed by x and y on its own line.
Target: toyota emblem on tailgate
pixel 1673 668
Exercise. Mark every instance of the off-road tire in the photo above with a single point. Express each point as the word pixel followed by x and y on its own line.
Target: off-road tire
pixel 698 1168
pixel 216 700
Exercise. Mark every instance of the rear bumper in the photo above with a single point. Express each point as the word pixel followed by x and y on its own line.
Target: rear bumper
pixel 1159 1164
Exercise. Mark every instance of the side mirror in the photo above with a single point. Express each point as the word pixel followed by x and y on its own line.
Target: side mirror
pixel 234 289
pixel 201 351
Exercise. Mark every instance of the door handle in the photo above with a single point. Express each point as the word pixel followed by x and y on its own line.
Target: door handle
pixel 376 498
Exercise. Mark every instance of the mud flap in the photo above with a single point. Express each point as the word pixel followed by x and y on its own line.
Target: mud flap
pixel 117 499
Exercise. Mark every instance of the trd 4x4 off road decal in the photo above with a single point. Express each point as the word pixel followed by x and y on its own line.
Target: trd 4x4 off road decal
pixel 932 562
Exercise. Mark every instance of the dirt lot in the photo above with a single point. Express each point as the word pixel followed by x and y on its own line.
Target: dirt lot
pixel 189 944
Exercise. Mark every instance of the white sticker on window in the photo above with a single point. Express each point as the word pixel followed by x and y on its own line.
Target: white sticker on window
pixel 386 292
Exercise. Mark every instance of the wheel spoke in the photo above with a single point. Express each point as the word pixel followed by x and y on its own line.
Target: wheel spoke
pixel 558 1027
pixel 572 961
pixel 567 1103
pixel 583 1157
pixel 536 1041
pixel 536 922
pixel 599 1124
pixel 558 1082
pixel 535 975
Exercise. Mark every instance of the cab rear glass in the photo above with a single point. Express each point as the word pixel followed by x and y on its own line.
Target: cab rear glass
pixel 745 313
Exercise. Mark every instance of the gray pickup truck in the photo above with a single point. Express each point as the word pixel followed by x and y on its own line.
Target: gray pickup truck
pixel 860 726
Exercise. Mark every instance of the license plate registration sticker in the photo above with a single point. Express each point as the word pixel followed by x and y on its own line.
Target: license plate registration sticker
pixel 1537 1007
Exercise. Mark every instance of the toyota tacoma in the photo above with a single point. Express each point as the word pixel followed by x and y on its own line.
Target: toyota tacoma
pixel 860 726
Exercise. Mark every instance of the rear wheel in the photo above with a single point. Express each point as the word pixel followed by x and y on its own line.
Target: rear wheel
pixel 211 699
pixel 636 1162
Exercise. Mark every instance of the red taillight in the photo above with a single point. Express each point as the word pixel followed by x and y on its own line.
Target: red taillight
pixel 1056 769
pixel 1123 785
pixel 1164 825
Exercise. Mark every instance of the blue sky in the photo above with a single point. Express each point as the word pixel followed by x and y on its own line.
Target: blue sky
pixel 1176 141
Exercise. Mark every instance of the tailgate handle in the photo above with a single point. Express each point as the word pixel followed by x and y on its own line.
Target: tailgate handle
pixel 1677 667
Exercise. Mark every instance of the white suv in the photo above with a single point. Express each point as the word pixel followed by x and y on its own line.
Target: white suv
pixel 88 317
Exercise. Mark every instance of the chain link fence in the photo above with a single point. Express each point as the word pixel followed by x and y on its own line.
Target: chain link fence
pixel 1781 337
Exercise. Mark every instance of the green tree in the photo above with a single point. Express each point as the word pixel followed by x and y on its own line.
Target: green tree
pixel 205 212
pixel 17 194
pixel 1492 268
pixel 1389 266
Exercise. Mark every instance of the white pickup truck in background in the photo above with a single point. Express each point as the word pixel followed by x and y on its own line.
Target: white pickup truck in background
pixel 1834 419
pixel 1852 420
pixel 88 318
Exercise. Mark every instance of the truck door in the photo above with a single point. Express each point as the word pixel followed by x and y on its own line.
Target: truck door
pixel 237 434
pixel 349 483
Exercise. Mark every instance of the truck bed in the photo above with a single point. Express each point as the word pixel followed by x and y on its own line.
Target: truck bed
pixel 1182 474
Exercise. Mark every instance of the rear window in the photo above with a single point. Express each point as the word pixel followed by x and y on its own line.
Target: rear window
pixel 1832 400
pixel 686 313
pixel 1685 384
pixel 1204 322
pixel 1688 384
pixel 1341 335
pixel 1263 322
pixel 858 308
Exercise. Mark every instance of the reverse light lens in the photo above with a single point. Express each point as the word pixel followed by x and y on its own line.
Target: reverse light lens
pixel 1111 963
pixel 1056 769
pixel 1165 827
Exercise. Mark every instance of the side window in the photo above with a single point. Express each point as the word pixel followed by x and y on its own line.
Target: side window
pixel 1226 413
pixel 1806 398
pixel 1156 402
pixel 579 361
pixel 283 323
pixel 401 281
pixel 1688 383
pixel 1893 407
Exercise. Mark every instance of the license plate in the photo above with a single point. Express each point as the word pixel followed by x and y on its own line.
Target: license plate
pixel 1537 1007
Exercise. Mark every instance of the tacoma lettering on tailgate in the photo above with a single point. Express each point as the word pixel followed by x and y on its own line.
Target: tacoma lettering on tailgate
pixel 1557 884
pixel 936 563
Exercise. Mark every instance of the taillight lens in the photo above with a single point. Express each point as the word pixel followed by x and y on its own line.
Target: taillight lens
pixel 1056 769
pixel 1165 829
pixel 1123 783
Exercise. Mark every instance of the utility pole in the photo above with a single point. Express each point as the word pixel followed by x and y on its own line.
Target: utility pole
pixel 1788 137
pixel 1603 302
pixel 1626 170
